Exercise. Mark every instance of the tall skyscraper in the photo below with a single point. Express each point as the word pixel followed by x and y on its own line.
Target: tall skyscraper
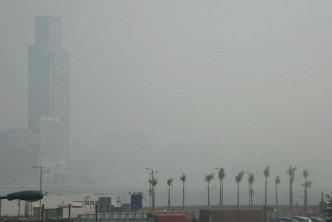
pixel 48 73
pixel 48 97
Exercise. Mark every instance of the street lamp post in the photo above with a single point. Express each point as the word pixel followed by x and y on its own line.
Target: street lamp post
pixel 250 186
pixel 151 178
pixel 40 180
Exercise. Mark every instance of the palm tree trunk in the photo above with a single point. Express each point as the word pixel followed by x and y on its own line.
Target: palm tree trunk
pixel 184 208
pixel 169 198
pixel 238 195
pixel 305 196
pixel 251 195
pixel 222 193
pixel 277 205
pixel 265 203
pixel 209 195
pixel 290 196
pixel 153 198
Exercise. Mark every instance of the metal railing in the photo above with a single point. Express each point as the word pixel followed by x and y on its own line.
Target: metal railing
pixel 276 215
pixel 130 216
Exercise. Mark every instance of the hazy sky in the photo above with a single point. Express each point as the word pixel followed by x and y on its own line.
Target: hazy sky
pixel 234 84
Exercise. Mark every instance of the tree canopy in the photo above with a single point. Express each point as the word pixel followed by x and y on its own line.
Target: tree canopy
pixel 277 181
pixel 267 172
pixel 209 177
pixel 238 178
pixel 291 173
pixel 183 178
pixel 170 182
pixel 221 173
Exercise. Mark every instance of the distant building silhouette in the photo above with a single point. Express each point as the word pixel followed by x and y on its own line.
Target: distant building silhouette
pixel 48 96
pixel 17 159
pixel 46 141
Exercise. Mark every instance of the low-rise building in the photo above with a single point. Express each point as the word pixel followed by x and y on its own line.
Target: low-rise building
pixel 79 203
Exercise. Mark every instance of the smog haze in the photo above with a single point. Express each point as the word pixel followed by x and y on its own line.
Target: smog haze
pixel 184 87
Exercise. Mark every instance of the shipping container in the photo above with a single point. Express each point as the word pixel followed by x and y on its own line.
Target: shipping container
pixel 170 217
pixel 232 216
pixel 136 202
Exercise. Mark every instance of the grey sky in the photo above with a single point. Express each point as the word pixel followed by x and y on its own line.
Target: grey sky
pixel 239 85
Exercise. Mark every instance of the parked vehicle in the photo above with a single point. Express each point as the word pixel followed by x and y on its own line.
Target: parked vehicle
pixel 288 219
pixel 303 219
pixel 316 219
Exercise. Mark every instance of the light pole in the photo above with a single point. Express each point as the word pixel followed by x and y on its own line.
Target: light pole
pixel 151 178
pixel 250 186
pixel 40 180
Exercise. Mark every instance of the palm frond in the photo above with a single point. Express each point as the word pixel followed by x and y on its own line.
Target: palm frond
pixel 153 182
pixel 238 178
pixel 267 171
pixel 307 184
pixel 291 173
pixel 251 178
pixel 183 178
pixel 209 177
pixel 221 173
pixel 170 182
pixel 277 181
pixel 291 170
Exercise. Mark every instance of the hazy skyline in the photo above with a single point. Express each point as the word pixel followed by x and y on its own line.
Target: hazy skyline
pixel 212 84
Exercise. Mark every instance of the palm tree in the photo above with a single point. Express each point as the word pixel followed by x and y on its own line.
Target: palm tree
pixel 266 174
pixel 221 175
pixel 277 181
pixel 183 179
pixel 170 184
pixel 208 179
pixel 291 173
pixel 307 184
pixel 305 175
pixel 238 179
pixel 153 182
pixel 251 180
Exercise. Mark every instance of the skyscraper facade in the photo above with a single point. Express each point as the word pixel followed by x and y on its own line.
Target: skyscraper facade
pixel 48 73
pixel 48 96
